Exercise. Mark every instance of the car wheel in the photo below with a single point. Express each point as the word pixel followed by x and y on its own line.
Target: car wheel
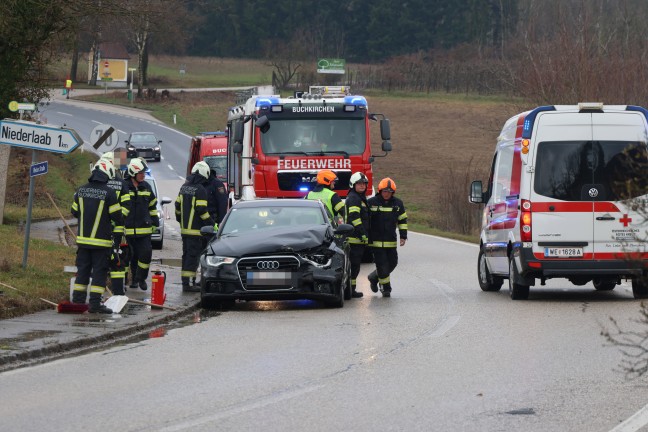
pixel 640 287
pixel 516 290
pixel 604 284
pixel 487 282
pixel 208 302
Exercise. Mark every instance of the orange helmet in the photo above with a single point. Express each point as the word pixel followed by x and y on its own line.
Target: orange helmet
pixel 326 177
pixel 387 184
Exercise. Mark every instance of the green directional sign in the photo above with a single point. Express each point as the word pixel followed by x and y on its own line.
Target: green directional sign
pixel 331 65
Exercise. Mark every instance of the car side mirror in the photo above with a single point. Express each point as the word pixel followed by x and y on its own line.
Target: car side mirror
pixel 385 130
pixel 207 231
pixel 166 200
pixel 476 192
pixel 263 124
pixel 344 229
pixel 127 141
pixel 237 148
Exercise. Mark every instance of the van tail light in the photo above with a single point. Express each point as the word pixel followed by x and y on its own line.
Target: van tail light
pixel 525 221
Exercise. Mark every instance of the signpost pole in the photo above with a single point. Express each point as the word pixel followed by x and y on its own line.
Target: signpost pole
pixel 30 202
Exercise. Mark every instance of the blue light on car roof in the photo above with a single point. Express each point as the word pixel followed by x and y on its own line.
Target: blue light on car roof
pixel 267 102
pixel 355 100
pixel 530 119
pixel 303 189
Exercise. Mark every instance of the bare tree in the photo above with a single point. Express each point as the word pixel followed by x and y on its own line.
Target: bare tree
pixel 286 58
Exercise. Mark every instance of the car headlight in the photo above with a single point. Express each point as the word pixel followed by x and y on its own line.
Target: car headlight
pixel 215 260
pixel 156 148
pixel 131 148
pixel 317 259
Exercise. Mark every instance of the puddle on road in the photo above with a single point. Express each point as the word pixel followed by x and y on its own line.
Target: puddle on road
pixel 522 411
pixel 8 344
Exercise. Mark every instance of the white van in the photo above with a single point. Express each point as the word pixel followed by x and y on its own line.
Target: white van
pixel 567 198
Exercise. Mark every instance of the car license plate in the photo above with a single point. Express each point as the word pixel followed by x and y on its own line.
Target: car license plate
pixel 563 252
pixel 267 278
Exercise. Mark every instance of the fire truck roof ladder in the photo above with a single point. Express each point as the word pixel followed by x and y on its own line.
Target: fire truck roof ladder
pixel 329 91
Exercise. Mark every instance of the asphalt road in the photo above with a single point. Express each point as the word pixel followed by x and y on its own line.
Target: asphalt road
pixel 440 354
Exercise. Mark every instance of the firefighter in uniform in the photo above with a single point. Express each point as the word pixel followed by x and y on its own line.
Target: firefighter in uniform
pixel 191 212
pixel 357 211
pixel 140 219
pixel 323 191
pixel 386 216
pixel 101 225
pixel 119 258
pixel 216 197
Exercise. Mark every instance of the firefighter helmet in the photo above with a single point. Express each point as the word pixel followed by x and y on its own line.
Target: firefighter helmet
pixel 201 168
pixel 109 156
pixel 387 184
pixel 326 177
pixel 143 162
pixel 135 167
pixel 106 167
pixel 358 177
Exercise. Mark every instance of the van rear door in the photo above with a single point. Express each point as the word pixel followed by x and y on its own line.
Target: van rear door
pixel 620 179
pixel 562 222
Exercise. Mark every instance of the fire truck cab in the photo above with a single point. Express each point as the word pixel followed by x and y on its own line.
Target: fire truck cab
pixel 210 147
pixel 567 198
pixel 277 145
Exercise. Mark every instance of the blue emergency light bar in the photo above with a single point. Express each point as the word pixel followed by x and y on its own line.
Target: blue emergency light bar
pixel 530 119
pixel 266 102
pixel 642 110
pixel 359 101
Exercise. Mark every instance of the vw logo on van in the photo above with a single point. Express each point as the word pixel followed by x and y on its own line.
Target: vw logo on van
pixel 593 192
pixel 268 265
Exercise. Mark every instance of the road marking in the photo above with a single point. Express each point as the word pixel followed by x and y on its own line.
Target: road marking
pixel 95 121
pixel 244 407
pixel 173 130
pixel 634 423
pixel 170 167
pixel 447 239
pixel 66 114
pixel 119 130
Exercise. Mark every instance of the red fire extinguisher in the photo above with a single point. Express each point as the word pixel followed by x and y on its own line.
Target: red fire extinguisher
pixel 157 291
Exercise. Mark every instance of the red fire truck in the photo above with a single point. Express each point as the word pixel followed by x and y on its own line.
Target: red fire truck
pixel 277 145
pixel 210 147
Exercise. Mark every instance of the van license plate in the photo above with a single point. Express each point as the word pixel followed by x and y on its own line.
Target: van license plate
pixel 563 252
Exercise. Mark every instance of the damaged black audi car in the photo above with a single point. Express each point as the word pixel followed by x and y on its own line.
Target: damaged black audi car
pixel 276 250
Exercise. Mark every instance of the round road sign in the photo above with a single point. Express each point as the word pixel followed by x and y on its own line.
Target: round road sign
pixel 109 143
pixel 13 106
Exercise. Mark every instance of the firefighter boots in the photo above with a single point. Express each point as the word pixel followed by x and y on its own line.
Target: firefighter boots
pixel 96 306
pixel 79 296
pixel 356 294
pixel 142 285
pixel 373 281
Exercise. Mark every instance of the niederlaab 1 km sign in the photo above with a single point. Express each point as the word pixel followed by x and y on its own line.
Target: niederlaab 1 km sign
pixel 331 65
pixel 27 134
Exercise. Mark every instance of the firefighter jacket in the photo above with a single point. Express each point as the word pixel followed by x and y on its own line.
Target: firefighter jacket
pixel 385 217
pixel 96 206
pixel 191 206
pixel 140 210
pixel 216 199
pixel 120 187
pixel 357 211
pixel 331 200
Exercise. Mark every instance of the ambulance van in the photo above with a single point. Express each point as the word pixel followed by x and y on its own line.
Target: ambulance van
pixel 566 198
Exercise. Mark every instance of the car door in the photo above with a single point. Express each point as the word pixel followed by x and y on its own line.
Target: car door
pixel 621 178
pixel 562 207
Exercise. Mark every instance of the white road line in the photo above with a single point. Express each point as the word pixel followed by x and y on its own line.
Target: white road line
pixel 173 130
pixel 170 167
pixel 95 121
pixel 634 423
pixel 447 239
pixel 119 130
pixel 65 114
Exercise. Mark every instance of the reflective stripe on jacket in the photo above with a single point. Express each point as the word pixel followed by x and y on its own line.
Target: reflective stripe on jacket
pixel 140 210
pixel 357 214
pixel 385 218
pixel 191 207
pixel 95 205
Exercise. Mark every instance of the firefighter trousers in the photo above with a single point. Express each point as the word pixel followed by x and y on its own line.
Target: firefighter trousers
pixel 355 257
pixel 192 246
pixel 141 254
pixel 90 263
pixel 386 260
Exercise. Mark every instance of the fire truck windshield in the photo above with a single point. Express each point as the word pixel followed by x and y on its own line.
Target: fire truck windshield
pixel 219 164
pixel 315 136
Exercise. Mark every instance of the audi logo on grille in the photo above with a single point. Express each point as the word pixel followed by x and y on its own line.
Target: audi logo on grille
pixel 268 265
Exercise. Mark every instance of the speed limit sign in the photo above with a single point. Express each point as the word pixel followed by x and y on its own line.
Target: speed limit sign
pixel 104 138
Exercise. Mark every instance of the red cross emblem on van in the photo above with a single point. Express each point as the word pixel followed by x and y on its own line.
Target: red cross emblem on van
pixel 625 220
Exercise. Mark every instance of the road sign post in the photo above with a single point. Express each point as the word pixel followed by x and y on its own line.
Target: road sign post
pixel 26 134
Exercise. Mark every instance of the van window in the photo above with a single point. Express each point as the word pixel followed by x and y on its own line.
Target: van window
pixel 502 176
pixel 565 170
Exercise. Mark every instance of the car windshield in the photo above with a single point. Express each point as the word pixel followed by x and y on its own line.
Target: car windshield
pixel 252 219
pixel 143 139
pixel 218 164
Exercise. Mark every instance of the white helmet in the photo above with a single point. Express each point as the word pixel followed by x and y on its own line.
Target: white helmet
pixel 201 168
pixel 135 167
pixel 106 167
pixel 108 156
pixel 358 177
